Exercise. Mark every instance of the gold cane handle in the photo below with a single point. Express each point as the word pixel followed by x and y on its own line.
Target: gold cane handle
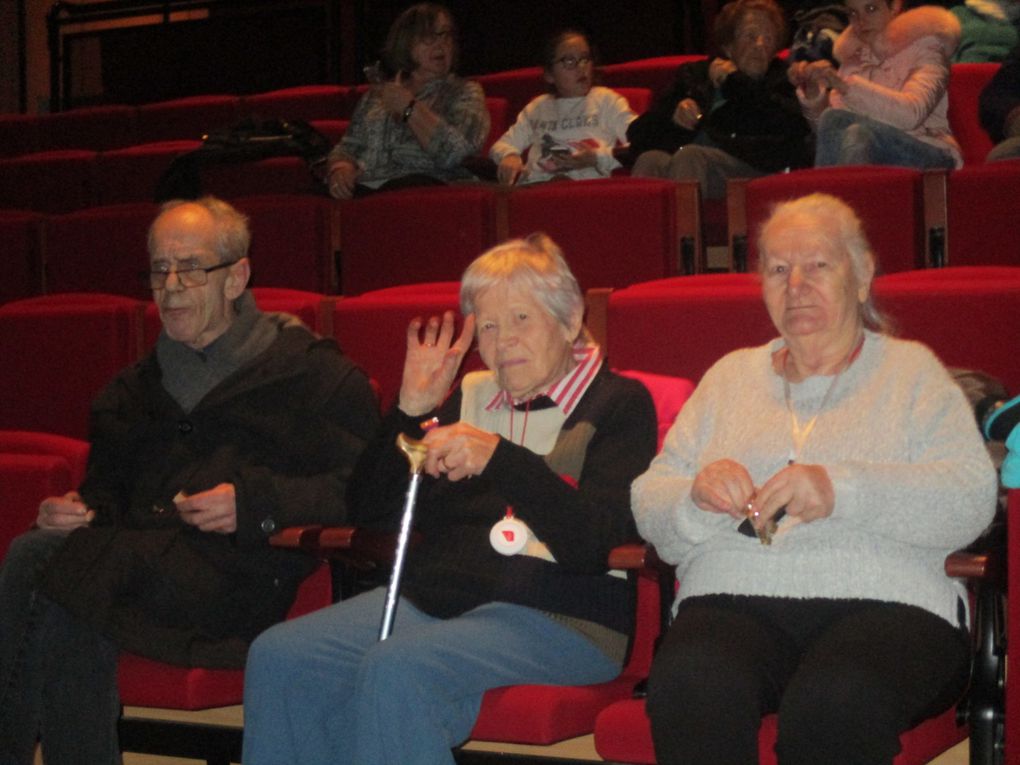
pixel 414 450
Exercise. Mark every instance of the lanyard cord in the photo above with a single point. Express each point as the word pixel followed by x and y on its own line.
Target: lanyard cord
pixel 799 434
pixel 524 429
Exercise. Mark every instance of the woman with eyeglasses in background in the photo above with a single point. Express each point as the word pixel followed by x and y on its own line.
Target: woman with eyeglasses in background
pixel 570 132
pixel 418 127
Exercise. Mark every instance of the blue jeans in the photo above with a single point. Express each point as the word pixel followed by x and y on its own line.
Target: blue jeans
pixel 847 138
pixel 322 689
pixel 58 676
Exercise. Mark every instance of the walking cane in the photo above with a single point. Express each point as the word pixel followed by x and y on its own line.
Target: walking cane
pixel 415 451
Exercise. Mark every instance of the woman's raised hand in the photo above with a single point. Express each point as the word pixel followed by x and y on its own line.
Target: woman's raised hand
pixel 432 361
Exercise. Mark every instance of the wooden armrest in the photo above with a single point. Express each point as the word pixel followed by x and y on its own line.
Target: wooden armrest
pixel 296 538
pixel 636 555
pixel 966 565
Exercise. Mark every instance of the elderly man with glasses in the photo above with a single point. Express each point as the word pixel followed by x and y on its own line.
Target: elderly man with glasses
pixel 237 424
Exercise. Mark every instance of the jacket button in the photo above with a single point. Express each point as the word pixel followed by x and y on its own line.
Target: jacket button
pixel 268 525
pixel 185 427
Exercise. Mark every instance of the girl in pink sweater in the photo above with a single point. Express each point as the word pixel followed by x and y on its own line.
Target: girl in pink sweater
pixel 887 102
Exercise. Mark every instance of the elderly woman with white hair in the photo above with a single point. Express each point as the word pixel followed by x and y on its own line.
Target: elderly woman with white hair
pixel 809 493
pixel 544 444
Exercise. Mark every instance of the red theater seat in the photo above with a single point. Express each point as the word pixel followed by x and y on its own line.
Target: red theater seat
pixel 681 326
pixel 34 466
pixel 59 351
pixel 186 118
pixel 414 235
pixel 333 129
pixel 273 175
pixel 967 315
pixel 305 102
pixel 982 204
pixel 49 181
pixel 100 249
pixel 21 261
pixel 888 200
pixel 131 174
pixel 966 81
pixel 613 231
pixel 292 240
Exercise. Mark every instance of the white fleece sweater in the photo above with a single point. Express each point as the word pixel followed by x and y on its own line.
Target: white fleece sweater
pixel 913 481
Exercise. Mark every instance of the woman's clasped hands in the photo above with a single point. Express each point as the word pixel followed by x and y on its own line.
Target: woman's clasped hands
pixel 804 491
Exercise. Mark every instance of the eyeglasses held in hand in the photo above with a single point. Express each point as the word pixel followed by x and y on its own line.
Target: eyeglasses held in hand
pixel 188 276
pixel 572 62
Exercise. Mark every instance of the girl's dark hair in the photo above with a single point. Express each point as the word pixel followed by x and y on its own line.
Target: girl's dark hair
pixel 410 26
pixel 725 28
pixel 553 42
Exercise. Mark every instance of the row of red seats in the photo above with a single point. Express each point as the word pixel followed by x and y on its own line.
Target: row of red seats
pixel 614 231
pixel 110 127
pixel 59 350
pixel 62 180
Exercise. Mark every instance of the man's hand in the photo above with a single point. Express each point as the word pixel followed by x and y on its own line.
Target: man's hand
pixel 213 510
pixel 64 513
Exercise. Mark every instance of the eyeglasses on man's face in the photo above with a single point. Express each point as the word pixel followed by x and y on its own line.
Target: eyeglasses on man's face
pixel 572 62
pixel 188 274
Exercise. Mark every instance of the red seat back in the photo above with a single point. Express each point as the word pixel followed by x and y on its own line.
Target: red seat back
pixel 640 242
pixel 21 264
pixel 305 102
pixel 51 181
pixel 186 118
pixel 414 235
pixel 888 200
pixel 967 315
pixel 966 81
pixel 59 351
pixel 656 74
pixel 681 326
pixel 131 174
pixel 100 249
pixel 94 127
pixel 983 206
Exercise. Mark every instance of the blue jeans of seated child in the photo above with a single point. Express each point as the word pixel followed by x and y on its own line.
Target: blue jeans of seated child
pixel 322 689
pixel 847 138
pixel 57 674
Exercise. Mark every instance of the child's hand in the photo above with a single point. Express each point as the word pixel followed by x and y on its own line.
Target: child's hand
pixel 509 170
pixel 585 156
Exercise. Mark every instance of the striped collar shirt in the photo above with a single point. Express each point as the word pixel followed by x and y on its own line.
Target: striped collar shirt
pixel 569 389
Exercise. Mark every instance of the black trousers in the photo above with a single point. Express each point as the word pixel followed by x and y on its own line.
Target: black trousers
pixel 845 676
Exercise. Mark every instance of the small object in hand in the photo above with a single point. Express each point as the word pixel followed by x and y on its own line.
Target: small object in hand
pixel 767 530
pixel 431 422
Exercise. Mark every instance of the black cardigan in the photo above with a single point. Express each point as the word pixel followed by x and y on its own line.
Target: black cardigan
pixel 454 568
pixel 759 121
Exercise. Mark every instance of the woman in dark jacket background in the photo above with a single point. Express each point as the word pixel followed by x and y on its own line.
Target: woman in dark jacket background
pixel 734 116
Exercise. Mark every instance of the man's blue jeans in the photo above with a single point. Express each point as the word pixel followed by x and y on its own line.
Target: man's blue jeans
pixel 322 689
pixel 847 138
pixel 58 676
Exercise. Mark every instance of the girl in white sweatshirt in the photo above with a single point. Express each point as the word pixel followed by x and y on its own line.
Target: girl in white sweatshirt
pixel 570 132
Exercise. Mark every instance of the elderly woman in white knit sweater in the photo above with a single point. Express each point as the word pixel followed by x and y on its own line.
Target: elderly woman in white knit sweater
pixel 852 464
